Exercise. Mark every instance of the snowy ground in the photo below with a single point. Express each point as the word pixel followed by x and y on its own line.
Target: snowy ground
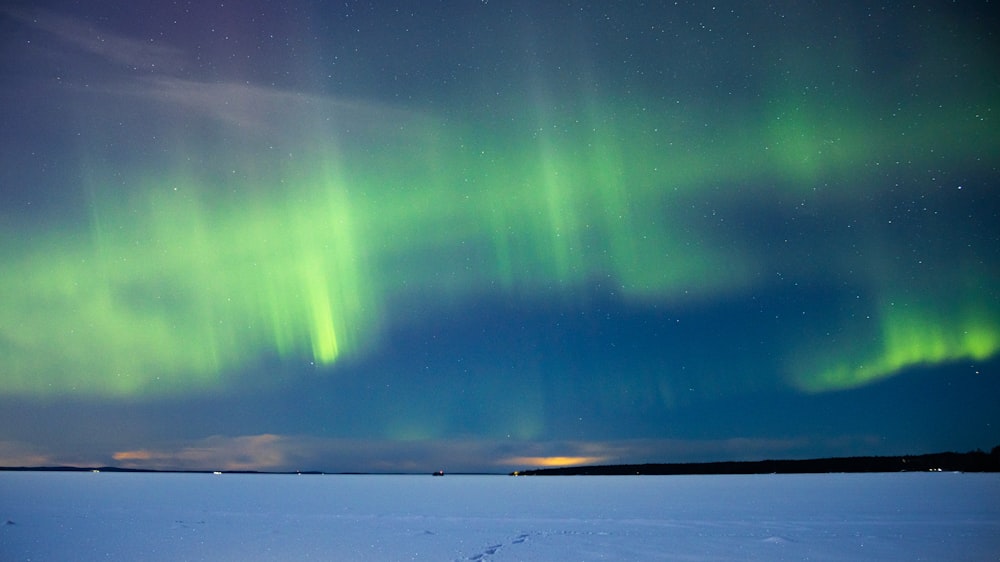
pixel 114 516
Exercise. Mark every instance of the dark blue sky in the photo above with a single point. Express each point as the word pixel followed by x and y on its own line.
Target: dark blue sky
pixel 492 236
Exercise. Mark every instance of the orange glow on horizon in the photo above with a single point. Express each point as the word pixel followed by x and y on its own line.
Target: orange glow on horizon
pixel 266 451
pixel 553 462
pixel 140 455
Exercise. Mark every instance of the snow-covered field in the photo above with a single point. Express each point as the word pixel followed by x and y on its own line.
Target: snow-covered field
pixel 115 516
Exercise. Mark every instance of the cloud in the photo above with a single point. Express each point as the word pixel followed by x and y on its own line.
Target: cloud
pixel 273 111
pixel 166 80
pixel 15 453
pixel 21 454
pixel 272 452
pixel 249 452
pixel 112 47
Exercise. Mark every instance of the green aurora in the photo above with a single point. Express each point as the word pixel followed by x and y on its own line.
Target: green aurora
pixel 303 253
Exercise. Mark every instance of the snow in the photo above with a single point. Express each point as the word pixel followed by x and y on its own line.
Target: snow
pixel 125 516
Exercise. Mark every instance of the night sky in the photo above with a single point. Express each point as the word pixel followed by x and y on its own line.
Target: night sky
pixel 489 235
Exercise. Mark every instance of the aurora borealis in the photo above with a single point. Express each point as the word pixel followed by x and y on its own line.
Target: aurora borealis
pixel 379 237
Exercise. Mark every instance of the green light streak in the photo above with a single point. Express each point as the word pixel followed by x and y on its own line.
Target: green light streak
pixel 911 335
pixel 176 294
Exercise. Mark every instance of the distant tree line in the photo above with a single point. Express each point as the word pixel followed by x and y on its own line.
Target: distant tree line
pixel 973 461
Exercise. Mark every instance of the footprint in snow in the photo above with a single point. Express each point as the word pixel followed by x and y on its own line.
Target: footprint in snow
pixel 494 548
pixel 777 540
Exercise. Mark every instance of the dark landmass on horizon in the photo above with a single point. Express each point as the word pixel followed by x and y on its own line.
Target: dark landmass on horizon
pixel 973 461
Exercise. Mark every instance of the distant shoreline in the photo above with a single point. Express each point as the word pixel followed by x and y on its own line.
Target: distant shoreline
pixel 974 461
pixel 224 471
